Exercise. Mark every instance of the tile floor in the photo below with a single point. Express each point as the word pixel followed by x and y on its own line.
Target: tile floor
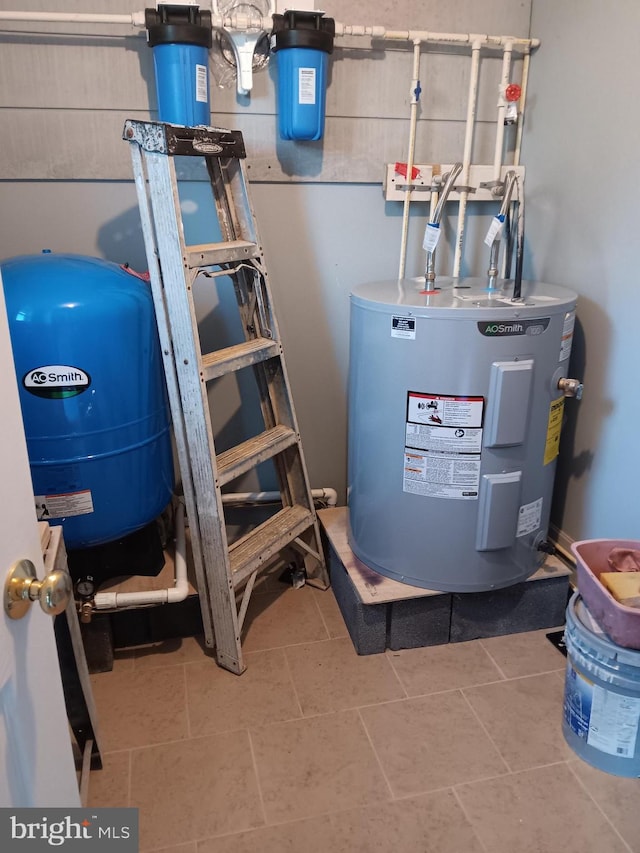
pixel 448 749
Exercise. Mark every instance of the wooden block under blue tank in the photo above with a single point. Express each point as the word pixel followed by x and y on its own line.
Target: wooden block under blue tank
pixel 381 613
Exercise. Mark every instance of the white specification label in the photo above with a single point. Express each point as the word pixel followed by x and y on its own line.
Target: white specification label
pixel 440 476
pixel 529 517
pixel 613 724
pixel 63 506
pixel 443 441
pixel 403 327
pixel 201 84
pixel 306 85
pixel 567 335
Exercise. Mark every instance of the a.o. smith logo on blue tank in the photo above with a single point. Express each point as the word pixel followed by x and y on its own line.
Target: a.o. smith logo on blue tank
pixel 509 328
pixel 56 381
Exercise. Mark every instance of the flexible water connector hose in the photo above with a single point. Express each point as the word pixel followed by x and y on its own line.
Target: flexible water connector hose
pixel 509 185
pixel 437 216
pixel 446 191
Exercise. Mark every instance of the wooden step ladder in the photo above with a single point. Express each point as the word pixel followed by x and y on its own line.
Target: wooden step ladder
pixel 225 571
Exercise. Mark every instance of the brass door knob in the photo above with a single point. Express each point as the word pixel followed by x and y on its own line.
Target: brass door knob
pixel 22 586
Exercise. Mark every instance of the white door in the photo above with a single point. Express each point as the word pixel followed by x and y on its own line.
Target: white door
pixel 36 761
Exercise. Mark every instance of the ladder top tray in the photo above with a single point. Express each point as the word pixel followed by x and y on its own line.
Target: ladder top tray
pixel 175 139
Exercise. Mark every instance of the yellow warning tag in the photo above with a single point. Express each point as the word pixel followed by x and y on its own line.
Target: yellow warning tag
pixel 554 427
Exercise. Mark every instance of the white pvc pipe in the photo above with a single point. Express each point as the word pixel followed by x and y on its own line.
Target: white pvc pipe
pixel 432 38
pixel 468 148
pixel 327 494
pixel 250 23
pixel 413 121
pixel 502 108
pixel 135 19
pixel 523 98
pixel 253 22
pixel 178 592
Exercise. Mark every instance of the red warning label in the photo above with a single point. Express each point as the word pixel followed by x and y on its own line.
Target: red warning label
pixel 445 410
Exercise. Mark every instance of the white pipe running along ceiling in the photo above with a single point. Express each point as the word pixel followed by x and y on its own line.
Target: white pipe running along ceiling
pixel 239 21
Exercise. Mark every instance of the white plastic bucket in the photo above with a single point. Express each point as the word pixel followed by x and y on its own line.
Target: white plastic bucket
pixel 602 696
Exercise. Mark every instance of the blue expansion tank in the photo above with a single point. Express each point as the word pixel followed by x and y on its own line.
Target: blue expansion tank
pixel 92 392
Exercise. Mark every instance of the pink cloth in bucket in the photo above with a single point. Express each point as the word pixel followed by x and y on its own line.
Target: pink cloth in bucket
pixel 624 560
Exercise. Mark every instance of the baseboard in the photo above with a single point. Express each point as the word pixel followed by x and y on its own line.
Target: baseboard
pixel 563 543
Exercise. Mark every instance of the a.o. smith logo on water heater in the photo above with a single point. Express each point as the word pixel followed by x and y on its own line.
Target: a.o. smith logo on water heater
pixel 56 381
pixel 509 328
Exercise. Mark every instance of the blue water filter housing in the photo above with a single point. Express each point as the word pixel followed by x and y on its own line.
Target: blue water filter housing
pixel 180 37
pixel 92 393
pixel 302 42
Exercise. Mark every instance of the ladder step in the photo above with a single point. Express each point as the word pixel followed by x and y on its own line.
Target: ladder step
pixel 213 254
pixel 243 457
pixel 233 358
pixel 264 542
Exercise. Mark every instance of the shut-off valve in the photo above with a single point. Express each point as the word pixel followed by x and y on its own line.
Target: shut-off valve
pixel 571 387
